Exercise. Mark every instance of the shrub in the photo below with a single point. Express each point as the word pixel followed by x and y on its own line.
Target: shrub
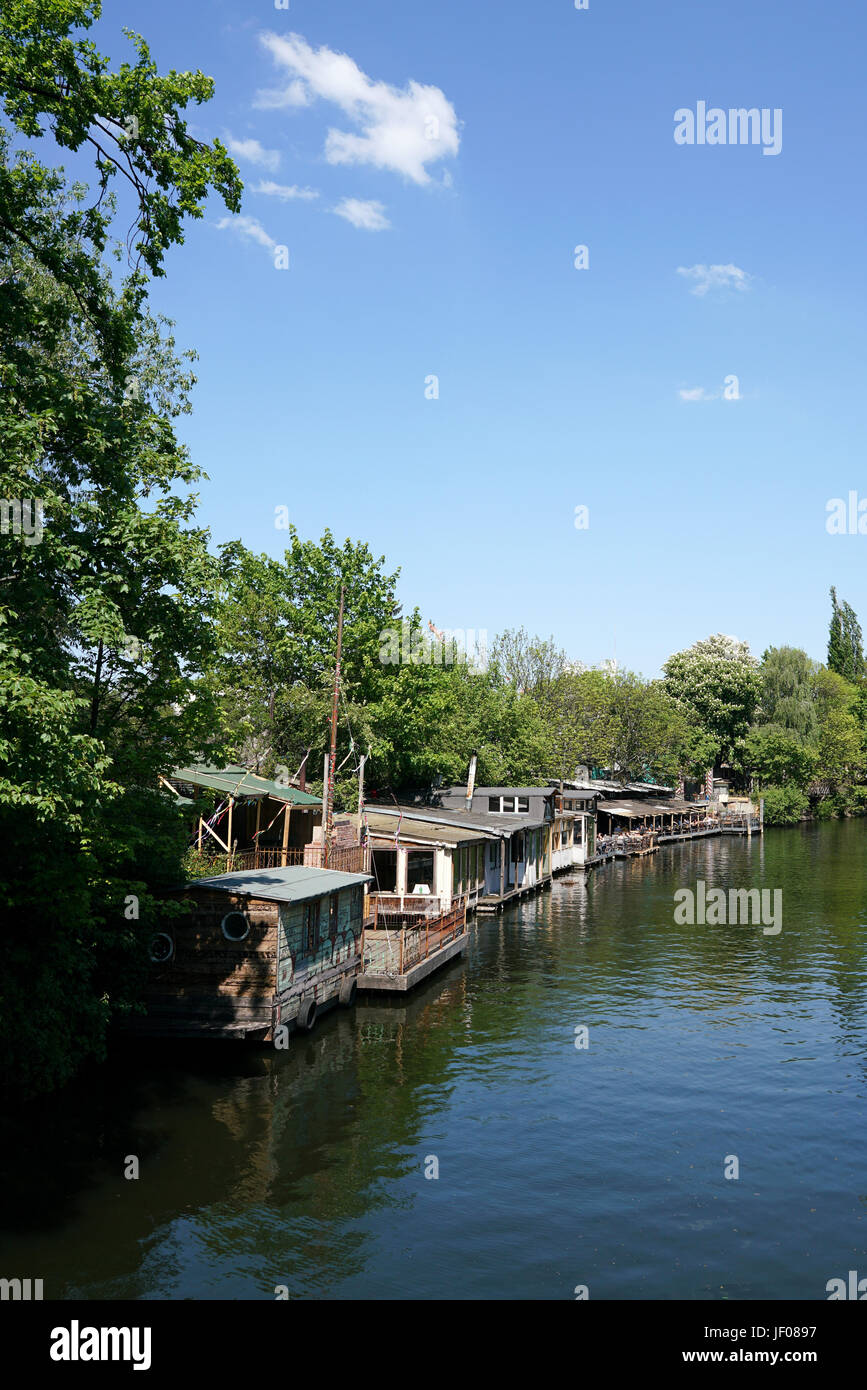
pixel 784 805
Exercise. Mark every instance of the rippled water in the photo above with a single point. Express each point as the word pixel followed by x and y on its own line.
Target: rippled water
pixel 557 1166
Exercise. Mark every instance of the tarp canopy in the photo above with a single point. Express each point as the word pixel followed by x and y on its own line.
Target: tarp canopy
pixel 241 785
pixel 639 809
pixel 383 827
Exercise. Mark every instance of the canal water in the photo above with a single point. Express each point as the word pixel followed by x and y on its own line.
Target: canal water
pixel 558 1166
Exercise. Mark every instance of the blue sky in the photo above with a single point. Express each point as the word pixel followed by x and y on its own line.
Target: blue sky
pixel 558 387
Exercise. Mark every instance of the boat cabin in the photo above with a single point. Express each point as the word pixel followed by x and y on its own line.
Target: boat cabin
pixel 254 951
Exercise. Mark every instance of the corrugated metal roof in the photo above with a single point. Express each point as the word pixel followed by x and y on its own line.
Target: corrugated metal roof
pixel 500 823
pixel 294 884
pixel 239 783
pixel 423 832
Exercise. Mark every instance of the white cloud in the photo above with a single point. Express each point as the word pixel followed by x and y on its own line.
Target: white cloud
pixel 248 227
pixel 253 152
pixel 715 277
pixel 401 129
pixel 696 393
pixel 369 215
pixel 295 94
pixel 284 191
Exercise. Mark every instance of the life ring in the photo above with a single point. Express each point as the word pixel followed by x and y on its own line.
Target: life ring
pixel 306 1015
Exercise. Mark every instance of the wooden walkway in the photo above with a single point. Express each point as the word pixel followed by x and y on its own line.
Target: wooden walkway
pixel 495 902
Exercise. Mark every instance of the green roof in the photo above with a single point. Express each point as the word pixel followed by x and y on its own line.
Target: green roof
pixel 241 784
pixel 294 884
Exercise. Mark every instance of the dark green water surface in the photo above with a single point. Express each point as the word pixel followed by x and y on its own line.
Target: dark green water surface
pixel 557 1166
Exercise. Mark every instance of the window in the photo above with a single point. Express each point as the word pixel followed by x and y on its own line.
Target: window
pixel 494 803
pixel 524 804
pixel 419 869
pixel 161 948
pixel 311 927
pixel 356 901
pixel 384 869
pixel 236 926
pixel 333 913
pixel 493 855
pixel 508 803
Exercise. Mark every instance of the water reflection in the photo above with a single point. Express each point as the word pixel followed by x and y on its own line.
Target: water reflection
pixel 306 1168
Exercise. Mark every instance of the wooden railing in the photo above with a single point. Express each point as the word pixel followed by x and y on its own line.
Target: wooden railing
pixel 395 950
pixel 348 859
pixel 625 843
pixel 407 905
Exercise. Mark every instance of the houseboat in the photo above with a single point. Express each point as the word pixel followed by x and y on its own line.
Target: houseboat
pixel 254 952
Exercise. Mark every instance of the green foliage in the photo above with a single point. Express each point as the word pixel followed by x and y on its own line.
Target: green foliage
pixel 784 805
pixel 845 645
pixel 788 691
pixel 777 755
pixel 105 621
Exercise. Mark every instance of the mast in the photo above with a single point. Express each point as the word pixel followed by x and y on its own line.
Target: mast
pixel 329 795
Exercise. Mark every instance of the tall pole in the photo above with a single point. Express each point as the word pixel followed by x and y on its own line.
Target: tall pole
pixel 329 801
pixel 362 761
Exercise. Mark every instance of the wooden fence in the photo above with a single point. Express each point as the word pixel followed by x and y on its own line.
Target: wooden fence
pixel 406 906
pixel 348 859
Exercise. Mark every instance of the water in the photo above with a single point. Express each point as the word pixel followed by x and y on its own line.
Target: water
pixel 557 1166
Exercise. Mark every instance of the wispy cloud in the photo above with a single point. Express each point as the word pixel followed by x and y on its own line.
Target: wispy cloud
pixel 295 94
pixel 696 393
pixel 253 153
pixel 714 277
pixel 401 129
pixel 285 192
pixel 369 215
pixel 249 227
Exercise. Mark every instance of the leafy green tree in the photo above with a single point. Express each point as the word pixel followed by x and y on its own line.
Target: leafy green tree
pixel 788 696
pixel 105 623
pixel 277 634
pixel 845 644
pixel 778 755
pixel 531 664
pixel 784 805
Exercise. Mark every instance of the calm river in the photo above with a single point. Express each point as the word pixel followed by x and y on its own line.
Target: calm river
pixel 558 1166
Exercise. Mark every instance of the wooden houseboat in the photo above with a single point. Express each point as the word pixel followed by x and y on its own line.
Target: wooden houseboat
pixel 254 951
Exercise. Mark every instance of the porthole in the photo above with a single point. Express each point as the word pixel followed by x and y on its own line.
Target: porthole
pixel 161 948
pixel 236 926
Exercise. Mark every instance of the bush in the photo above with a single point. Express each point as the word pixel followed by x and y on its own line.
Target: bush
pixel 784 805
pixel 826 809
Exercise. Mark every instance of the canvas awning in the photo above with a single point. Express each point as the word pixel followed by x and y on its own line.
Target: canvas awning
pixel 242 785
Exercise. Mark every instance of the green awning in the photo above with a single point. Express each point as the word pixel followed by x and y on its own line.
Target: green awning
pixel 240 784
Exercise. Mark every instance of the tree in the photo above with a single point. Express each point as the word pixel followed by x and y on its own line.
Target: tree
pixel 277 634
pixel 777 755
pixel 104 615
pixel 531 664
pixel 718 682
pixel 788 697
pixel 845 645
